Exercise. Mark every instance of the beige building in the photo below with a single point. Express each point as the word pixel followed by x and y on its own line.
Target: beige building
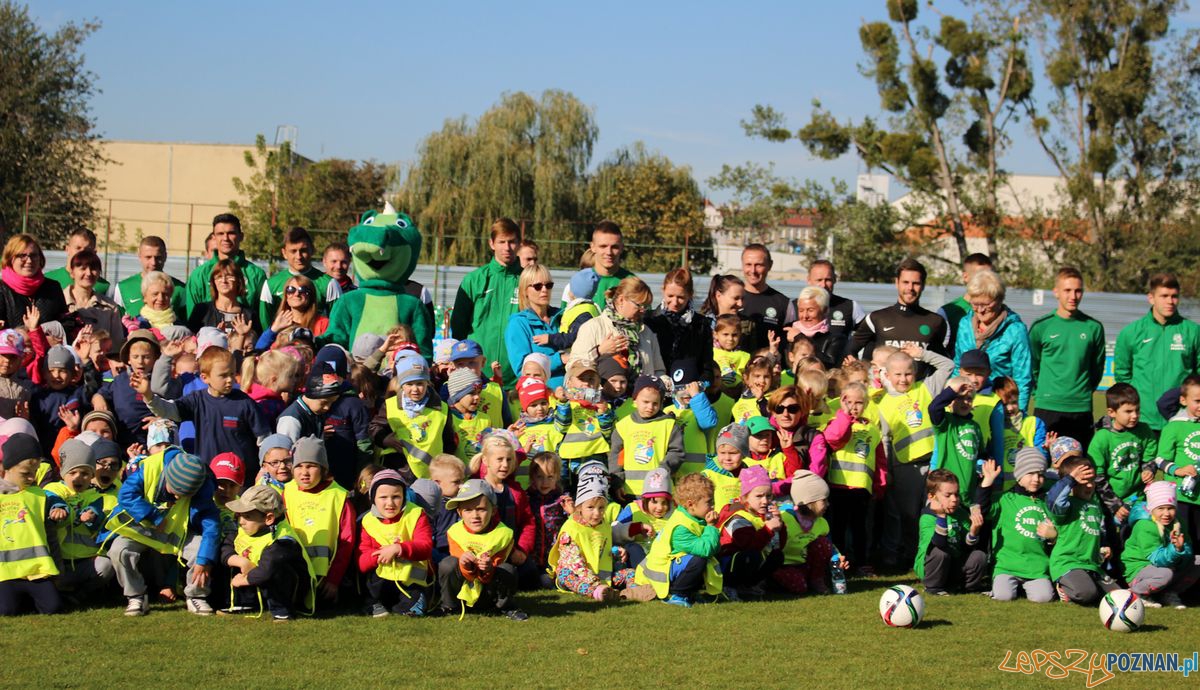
pixel 169 189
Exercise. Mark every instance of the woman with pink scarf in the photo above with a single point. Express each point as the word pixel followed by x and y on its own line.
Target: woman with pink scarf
pixel 22 284
pixel 812 323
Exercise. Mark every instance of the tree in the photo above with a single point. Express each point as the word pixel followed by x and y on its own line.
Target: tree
pixel 335 192
pixel 986 72
pixel 656 203
pixel 524 158
pixel 759 200
pixel 47 143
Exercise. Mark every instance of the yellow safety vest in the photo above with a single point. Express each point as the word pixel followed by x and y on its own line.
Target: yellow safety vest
pixel 695 442
pixel 317 521
pixel 911 433
pixel 75 539
pixel 595 543
pixel 727 489
pixel 574 312
pixel 854 465
pixel 536 439
pixel 109 496
pixel 637 514
pixel 469 432
pixel 772 463
pixel 169 535
pixel 24 547
pixel 982 414
pixel 743 410
pixel 43 471
pixel 499 539
pixel 421 436
pixel 623 410
pixel 655 570
pixel 402 530
pixel 1014 440
pixel 583 437
pixel 755 521
pixel 731 362
pixel 491 405
pixel 644 449
pixel 251 548
pixel 795 549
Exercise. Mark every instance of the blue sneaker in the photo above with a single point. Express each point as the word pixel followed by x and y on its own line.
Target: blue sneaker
pixel 676 600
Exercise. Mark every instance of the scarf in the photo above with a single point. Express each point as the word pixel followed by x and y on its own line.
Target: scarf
pixel 810 331
pixel 22 285
pixel 632 331
pixel 411 407
pixel 678 319
pixel 159 318
pixel 982 334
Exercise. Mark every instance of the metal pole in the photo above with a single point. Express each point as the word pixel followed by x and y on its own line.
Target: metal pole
pixel 187 252
pixel 437 263
pixel 107 233
pixel 25 215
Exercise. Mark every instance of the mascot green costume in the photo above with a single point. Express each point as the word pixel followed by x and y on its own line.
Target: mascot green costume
pixel 384 248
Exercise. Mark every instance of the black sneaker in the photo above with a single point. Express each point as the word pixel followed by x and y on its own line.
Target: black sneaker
pixel 515 615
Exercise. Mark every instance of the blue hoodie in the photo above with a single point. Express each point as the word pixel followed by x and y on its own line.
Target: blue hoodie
pixel 518 340
pixel 1007 348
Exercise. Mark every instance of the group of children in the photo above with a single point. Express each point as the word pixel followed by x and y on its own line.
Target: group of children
pixel 305 479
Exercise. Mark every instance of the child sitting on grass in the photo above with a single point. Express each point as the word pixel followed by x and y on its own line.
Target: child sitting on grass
pixel 394 548
pixel 77 511
pixel 1081 548
pixel 476 574
pixel 807 552
pixel 582 557
pixel 1158 555
pixel 733 444
pixel 638 522
pixel 752 536
pixel 28 551
pixel 682 562
pixel 268 556
pixel 1022 532
pixel 948 553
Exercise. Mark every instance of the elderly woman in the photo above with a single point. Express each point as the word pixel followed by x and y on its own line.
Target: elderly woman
pixel 23 285
pixel 158 300
pixel 682 332
pixel 618 331
pixel 88 307
pixel 812 322
pixel 529 330
pixel 991 326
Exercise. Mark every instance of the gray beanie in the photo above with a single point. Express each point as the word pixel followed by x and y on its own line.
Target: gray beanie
pixel 735 435
pixel 428 495
pixel 272 442
pixel 1027 461
pixel 75 453
pixel 310 449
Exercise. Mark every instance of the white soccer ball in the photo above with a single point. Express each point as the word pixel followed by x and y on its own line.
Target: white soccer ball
pixel 902 606
pixel 1122 611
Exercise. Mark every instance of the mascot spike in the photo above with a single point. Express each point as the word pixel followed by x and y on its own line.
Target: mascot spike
pixel 388 208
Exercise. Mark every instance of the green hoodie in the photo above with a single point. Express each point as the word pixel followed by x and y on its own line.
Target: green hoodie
pixel 1154 358
pixel 1119 456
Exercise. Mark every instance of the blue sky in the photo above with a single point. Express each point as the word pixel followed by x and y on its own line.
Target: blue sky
pixel 371 79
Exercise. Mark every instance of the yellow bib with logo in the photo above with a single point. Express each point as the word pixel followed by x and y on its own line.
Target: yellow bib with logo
pixel 317 521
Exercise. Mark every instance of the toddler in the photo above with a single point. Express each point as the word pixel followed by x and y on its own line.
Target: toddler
pixel 477 575
pixel 394 548
pixel 807 552
pixel 1158 556
pixel 582 557
pixel 682 561
pixel 640 521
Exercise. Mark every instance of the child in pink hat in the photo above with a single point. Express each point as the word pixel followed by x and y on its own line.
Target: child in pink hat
pixel 752 536
pixel 1158 555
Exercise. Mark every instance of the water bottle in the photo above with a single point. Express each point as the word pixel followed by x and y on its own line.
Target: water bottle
pixel 1189 487
pixel 837 575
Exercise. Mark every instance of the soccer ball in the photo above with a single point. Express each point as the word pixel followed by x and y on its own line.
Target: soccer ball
pixel 1122 611
pixel 902 606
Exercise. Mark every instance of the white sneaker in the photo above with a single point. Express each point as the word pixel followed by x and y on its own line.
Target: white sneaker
pixel 1150 603
pixel 1172 599
pixel 137 606
pixel 199 607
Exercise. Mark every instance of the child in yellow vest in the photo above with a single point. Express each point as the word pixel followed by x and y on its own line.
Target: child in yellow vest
pixel 468 355
pixel 638 522
pixel 615 385
pixel 535 428
pixel 78 513
pixel 27 551
pixel 647 439
pixel 415 425
pixel 266 552
pixel 752 537
pixel 582 557
pixel 988 412
pixel 109 462
pixel 695 411
pixel 857 474
pixel 583 418
pixel 723 468
pixel 752 402
pixel 395 545
pixel 808 554
pixel 763 452
pixel 727 334
pixel 682 562
pixel 476 574
pixel 318 509
pixel 469 423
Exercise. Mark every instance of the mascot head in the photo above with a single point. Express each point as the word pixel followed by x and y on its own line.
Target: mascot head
pixel 385 247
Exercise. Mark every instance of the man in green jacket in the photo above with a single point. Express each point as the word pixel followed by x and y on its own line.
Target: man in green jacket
pixel 79 240
pixel 152 254
pixel 487 297
pixel 1156 352
pixel 297 252
pixel 1066 349
pixel 227 236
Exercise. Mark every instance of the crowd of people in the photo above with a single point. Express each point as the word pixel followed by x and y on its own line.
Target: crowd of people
pixel 208 440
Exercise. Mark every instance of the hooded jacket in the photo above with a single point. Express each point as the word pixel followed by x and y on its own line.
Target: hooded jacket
pixel 1007 348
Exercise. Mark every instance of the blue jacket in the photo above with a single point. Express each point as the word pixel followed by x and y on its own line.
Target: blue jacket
pixel 1007 348
pixel 518 341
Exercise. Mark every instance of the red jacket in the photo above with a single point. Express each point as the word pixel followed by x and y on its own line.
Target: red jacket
pixel 737 534
pixel 512 505
pixel 415 550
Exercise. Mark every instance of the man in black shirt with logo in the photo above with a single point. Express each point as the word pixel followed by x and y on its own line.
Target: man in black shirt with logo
pixel 765 307
pixel 906 322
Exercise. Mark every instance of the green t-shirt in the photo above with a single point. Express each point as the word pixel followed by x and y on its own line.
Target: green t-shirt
pixel 607 282
pixel 1119 456
pixel 1068 361
pixel 958 525
pixel 1180 444
pixel 1146 537
pixel 1019 551
pixel 1079 533
pixel 958 444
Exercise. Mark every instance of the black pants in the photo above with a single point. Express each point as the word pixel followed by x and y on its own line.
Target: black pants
pixel 748 568
pixel 944 572
pixel 42 592
pixel 1077 425
pixel 636 553
pixel 386 593
pixel 848 513
pixel 1189 521
pixel 497 594
pixel 688 581
pixel 285 592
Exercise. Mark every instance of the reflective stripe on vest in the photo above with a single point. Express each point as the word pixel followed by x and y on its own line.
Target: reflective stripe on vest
pixel 168 536
pixel 912 435
pixel 386 534
pixel 583 437
pixel 655 570
pixel 854 465
pixel 644 449
pixel 317 521
pixel 420 436
pixel 24 546
pixel 695 443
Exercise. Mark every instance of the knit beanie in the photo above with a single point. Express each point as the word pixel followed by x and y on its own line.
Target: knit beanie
pixel 365 345
pixel 103 415
pixel 1027 461
pixel 442 350
pixel 19 448
pixel 462 382
pixel 428 495
pixel 608 367
pixel 386 478
pixel 184 474
pixel 540 359
pixel 737 436
pixel 105 448
pixel 411 369
pixel 593 482
pixel 75 453
pixel 334 357
pixel 311 450
pixel 271 442
pixel 583 284
pixel 1160 494
pixel 808 488
pixel 657 483
pixel 531 390
pixel 753 477
pixel 643 382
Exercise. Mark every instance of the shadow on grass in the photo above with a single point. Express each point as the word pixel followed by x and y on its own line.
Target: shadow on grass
pixel 934 623
pixel 550 604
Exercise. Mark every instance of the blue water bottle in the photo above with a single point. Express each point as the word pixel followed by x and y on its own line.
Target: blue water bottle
pixel 836 574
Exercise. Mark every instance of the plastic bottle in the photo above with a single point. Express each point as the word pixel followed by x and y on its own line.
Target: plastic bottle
pixel 1189 487
pixel 836 574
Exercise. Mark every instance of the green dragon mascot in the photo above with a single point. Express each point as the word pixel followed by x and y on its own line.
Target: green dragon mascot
pixel 384 248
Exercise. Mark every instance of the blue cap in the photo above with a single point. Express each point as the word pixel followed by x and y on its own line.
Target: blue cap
pixel 583 284
pixel 465 349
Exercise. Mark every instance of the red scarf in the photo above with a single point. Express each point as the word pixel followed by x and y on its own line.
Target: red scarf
pixel 22 285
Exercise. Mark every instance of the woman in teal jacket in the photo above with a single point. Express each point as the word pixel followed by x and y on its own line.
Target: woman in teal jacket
pixel 997 330
pixel 529 330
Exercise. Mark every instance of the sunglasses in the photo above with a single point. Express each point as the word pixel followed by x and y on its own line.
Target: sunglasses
pixel 790 409
pixel 297 290
pixel 542 286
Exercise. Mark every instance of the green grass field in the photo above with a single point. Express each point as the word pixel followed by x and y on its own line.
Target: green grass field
pixel 835 641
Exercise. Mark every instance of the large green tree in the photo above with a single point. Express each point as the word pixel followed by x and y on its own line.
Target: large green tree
pixel 48 147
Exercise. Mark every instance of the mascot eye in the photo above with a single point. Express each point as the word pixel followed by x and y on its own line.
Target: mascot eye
pixel 401 223
pixel 369 221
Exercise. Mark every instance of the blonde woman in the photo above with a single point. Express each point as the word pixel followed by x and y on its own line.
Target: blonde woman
pixel 530 329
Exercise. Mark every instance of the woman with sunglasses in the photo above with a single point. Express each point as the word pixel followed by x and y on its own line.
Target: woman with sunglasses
pixel 530 329
pixel 23 285
pixel 227 310
pixel 300 302
pixel 788 409
pixel 619 331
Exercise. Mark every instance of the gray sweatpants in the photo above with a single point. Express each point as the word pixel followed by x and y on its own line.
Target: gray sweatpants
pixel 131 559
pixel 1153 579
pixel 903 502
pixel 944 572
pixel 1085 586
pixel 1008 588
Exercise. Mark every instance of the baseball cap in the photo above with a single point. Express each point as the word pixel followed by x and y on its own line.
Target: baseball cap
pixel 465 349
pixel 579 366
pixel 261 497
pixel 11 343
pixel 229 466
pixel 975 359
pixel 471 490
pixel 759 424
